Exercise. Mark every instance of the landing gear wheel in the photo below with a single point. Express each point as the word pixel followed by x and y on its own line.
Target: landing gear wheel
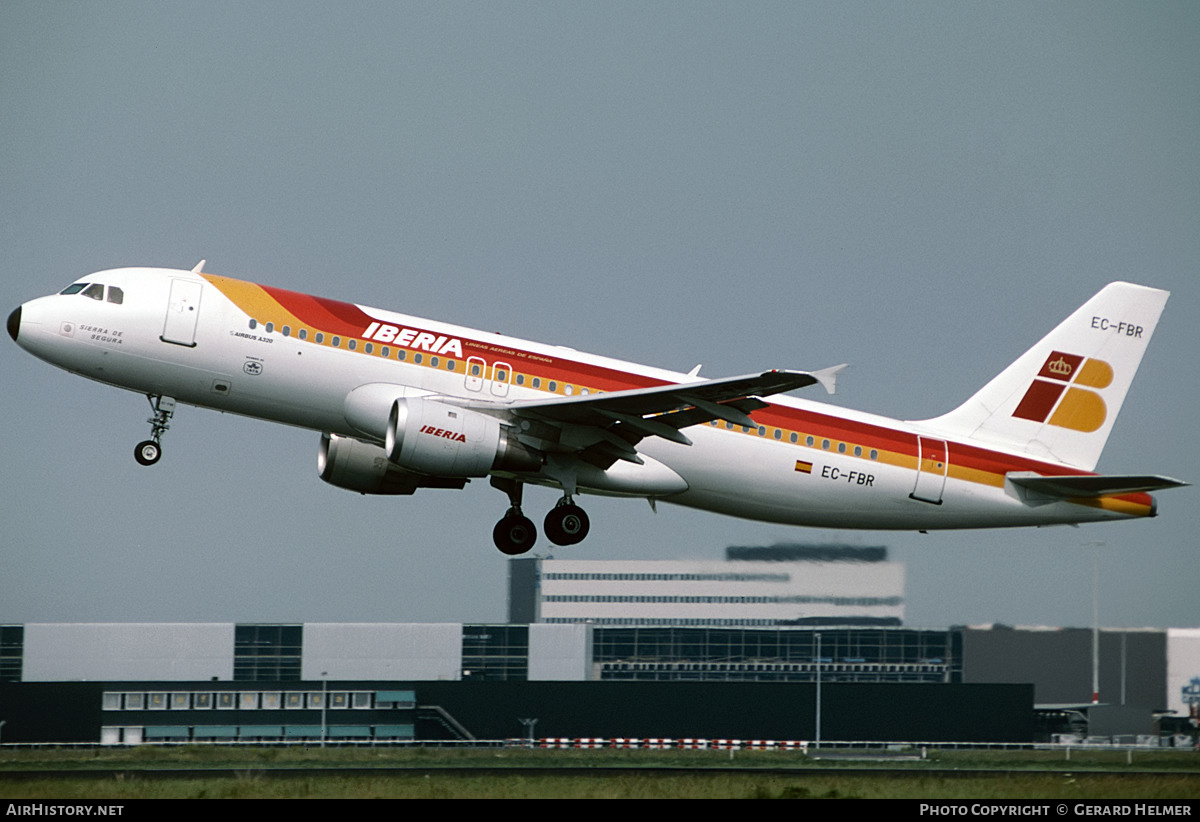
pixel 566 524
pixel 147 452
pixel 514 534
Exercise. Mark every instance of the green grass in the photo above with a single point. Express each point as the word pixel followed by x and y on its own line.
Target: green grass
pixel 1047 774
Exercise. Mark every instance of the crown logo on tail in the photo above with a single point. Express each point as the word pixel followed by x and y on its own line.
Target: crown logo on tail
pixel 1059 367
pixel 1057 396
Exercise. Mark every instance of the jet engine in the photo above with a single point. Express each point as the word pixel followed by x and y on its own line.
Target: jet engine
pixel 434 438
pixel 363 467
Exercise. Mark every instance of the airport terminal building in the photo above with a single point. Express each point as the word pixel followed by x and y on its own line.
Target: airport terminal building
pixel 607 649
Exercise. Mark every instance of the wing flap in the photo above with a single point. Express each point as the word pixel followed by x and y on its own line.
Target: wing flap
pixel 622 419
pixel 595 409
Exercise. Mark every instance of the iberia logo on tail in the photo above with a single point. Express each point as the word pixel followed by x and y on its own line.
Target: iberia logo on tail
pixel 1063 395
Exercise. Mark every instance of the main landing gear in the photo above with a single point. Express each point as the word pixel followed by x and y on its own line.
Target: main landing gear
pixel 149 451
pixel 566 524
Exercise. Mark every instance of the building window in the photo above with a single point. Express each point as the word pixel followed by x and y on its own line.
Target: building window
pixel 12 651
pixel 495 652
pixel 267 653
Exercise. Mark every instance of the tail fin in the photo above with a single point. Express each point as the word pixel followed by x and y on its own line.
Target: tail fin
pixel 1058 401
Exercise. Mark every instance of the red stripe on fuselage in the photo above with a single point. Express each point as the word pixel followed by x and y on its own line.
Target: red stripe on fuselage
pixel 347 319
pixel 330 316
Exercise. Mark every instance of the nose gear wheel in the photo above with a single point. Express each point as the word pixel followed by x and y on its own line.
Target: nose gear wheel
pixel 148 452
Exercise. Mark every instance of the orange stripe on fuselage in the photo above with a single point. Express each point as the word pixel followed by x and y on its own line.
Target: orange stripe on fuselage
pixel 968 463
pixel 254 300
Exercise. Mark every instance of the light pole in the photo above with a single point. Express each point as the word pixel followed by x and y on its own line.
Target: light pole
pixel 324 705
pixel 817 740
pixel 1096 546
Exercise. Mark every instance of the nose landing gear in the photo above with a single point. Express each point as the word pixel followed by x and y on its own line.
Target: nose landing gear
pixel 149 451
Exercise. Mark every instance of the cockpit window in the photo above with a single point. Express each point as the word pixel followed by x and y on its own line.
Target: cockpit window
pixel 74 288
pixel 115 295
pixel 95 291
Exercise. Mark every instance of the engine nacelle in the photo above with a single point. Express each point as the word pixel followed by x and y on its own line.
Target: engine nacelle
pixel 434 438
pixel 363 467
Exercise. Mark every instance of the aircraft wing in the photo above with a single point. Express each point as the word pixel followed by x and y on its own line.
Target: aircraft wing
pixel 605 427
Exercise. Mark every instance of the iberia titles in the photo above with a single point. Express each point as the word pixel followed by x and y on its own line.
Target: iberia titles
pixel 453 436
pixel 416 340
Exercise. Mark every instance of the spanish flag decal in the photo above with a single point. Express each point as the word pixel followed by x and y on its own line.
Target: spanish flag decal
pixel 804 467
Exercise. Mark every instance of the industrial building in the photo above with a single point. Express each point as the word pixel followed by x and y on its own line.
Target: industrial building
pixel 754 586
pixel 134 683
pixel 733 649
pixel 129 683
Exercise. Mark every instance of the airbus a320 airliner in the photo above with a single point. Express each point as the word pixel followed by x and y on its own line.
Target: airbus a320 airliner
pixel 404 403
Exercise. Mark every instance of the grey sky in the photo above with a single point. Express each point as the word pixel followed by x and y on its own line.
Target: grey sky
pixel 919 189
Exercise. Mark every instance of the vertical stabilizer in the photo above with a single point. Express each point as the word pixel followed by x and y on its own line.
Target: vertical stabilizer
pixel 1058 401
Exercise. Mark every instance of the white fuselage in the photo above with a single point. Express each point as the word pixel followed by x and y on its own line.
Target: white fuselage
pixel 222 344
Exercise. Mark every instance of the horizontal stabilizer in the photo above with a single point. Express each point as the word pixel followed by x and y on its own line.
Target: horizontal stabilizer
pixel 1092 485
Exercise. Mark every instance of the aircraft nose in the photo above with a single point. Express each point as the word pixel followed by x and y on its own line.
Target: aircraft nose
pixel 14 323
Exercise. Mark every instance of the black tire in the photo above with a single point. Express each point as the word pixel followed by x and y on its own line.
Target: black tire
pixel 514 534
pixel 567 524
pixel 147 452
